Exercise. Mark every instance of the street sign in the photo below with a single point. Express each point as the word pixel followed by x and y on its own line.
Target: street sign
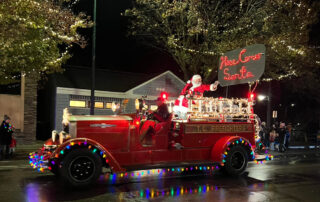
pixel 274 114
pixel 242 65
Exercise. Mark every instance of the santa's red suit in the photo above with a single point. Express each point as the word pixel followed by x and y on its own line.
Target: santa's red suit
pixel 181 104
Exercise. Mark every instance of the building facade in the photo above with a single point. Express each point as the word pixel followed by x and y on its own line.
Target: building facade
pixel 77 97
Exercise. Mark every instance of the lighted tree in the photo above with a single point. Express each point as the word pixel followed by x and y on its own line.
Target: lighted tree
pixel 36 35
pixel 195 33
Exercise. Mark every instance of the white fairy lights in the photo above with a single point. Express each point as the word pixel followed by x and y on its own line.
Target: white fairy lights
pixel 220 108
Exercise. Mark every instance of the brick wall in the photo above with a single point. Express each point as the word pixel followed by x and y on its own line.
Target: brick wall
pixel 30 110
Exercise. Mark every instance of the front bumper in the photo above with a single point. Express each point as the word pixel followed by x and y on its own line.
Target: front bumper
pixel 38 161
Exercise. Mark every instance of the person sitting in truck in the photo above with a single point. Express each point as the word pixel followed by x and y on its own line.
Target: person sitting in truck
pixel 160 115
pixel 64 134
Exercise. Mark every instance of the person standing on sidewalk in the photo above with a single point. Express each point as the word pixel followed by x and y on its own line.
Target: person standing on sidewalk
pixel 288 135
pixel 272 137
pixel 6 130
pixel 266 134
pixel 282 133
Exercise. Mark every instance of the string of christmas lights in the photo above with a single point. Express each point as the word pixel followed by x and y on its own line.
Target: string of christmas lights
pixel 213 108
pixel 40 162
pixel 281 77
pixel 212 53
pixel 30 23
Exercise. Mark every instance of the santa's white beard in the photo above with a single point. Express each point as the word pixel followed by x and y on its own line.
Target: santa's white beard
pixel 194 85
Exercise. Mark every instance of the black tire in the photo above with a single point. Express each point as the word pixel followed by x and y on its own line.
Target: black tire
pixel 236 161
pixel 81 167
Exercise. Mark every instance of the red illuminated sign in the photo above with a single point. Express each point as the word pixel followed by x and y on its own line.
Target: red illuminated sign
pixel 242 65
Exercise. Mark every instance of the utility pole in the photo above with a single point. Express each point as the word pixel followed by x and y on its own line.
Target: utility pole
pixel 93 68
pixel 269 106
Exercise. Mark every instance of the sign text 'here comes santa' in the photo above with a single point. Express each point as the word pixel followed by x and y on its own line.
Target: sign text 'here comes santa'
pixel 242 65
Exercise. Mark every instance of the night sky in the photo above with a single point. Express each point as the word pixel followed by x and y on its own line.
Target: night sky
pixel 114 50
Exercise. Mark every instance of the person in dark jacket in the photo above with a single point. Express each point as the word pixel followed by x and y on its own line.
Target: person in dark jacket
pixel 162 112
pixel 288 135
pixel 282 133
pixel 6 130
pixel 160 115
pixel 266 134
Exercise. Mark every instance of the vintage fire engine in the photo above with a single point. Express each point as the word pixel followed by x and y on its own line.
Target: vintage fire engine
pixel 218 134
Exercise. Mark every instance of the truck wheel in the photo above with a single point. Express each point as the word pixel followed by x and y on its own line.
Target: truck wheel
pixel 81 167
pixel 236 161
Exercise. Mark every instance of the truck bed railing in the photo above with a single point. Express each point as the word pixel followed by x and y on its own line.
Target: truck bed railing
pixel 220 109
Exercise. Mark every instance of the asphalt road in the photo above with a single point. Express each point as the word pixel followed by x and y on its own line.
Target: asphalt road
pixel 291 179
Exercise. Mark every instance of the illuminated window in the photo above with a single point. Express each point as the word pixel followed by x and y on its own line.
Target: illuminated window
pixel 109 105
pixel 153 107
pixel 98 105
pixel 77 103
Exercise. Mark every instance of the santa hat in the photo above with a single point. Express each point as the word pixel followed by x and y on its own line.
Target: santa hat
pixel 194 77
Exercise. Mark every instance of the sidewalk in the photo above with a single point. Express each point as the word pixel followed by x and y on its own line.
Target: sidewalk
pixel 294 152
pixel 22 151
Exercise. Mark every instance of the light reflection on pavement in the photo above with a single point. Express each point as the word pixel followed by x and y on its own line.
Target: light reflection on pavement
pixel 276 180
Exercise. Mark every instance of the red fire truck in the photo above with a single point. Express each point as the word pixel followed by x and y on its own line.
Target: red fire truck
pixel 218 134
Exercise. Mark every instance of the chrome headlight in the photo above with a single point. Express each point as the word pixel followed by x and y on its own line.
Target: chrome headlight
pixel 49 147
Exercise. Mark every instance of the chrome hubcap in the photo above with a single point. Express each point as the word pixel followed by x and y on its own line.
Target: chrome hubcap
pixel 81 168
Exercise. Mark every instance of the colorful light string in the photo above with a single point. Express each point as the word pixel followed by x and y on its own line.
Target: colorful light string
pixel 40 162
pixel 36 160
pixel 244 143
pixel 163 172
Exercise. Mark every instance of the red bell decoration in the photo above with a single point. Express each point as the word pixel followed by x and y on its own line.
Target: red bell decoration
pixel 164 96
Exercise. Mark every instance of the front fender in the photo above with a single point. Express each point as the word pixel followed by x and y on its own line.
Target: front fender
pixel 220 149
pixel 75 143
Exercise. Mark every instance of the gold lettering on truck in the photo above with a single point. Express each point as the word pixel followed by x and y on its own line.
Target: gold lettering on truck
pixel 218 128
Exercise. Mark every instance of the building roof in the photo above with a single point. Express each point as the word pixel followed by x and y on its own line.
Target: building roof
pixel 106 80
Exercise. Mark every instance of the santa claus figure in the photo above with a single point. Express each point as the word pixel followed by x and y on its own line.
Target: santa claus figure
pixel 194 87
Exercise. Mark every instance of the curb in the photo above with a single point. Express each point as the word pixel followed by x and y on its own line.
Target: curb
pixel 22 151
pixel 292 155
